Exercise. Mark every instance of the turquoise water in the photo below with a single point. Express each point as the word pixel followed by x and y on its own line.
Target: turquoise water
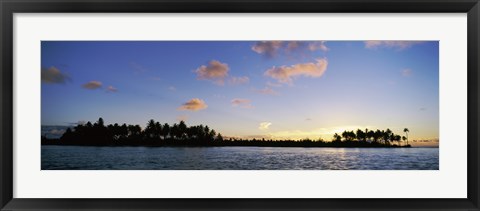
pixel 237 158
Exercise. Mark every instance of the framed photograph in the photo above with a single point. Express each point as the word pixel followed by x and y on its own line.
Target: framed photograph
pixel 265 105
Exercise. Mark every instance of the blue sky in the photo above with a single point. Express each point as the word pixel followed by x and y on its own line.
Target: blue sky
pixel 277 89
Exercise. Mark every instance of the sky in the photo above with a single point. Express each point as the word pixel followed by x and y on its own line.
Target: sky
pixel 248 89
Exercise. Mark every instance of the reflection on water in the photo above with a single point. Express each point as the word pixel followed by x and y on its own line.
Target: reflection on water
pixel 237 158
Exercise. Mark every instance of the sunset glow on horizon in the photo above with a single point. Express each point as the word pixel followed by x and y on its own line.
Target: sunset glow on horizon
pixel 247 89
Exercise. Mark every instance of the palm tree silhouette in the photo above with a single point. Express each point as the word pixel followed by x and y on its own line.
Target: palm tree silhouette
pixel 406 132
pixel 165 130
pixel 337 138
pixel 156 134
pixel 150 129
pixel 182 130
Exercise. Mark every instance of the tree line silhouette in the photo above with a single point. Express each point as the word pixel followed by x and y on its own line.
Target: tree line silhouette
pixel 157 134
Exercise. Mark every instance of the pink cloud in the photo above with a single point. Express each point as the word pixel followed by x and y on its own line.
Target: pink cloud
pixel 53 75
pixel 194 104
pixel 92 85
pixel 244 103
pixel 284 74
pixel 215 71
pixel 267 48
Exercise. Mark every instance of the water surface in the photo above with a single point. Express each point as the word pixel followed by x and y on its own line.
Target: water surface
pixel 237 158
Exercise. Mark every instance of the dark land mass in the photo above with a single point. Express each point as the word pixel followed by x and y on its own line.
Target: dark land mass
pixel 158 135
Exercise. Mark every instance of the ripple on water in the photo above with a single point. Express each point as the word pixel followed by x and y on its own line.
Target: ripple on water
pixel 237 158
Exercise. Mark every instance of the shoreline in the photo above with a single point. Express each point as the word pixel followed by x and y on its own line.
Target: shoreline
pixel 156 134
pixel 280 145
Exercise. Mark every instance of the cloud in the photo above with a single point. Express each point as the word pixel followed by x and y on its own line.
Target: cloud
pixel 92 85
pixel 406 72
pixel 399 45
pixel 271 49
pixel 270 84
pixel 267 48
pixel 293 45
pixel 284 74
pixel 172 88
pixel 239 80
pixel 111 89
pixel 137 68
pixel 243 103
pixel 264 125
pixel 319 45
pixel 215 71
pixel 53 75
pixel 194 104
pixel 266 91
pixel 57 131
pixel 219 96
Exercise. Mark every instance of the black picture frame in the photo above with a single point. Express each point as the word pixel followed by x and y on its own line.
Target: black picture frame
pixel 9 7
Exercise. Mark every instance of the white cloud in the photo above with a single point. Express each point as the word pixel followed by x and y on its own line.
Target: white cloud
pixel 92 85
pixel 53 75
pixel 219 96
pixel 266 91
pixel 406 72
pixel 244 103
pixel 194 104
pixel 273 48
pixel 111 89
pixel 285 74
pixel 215 71
pixel 270 84
pixel 319 45
pixel 137 68
pixel 264 125
pixel 172 88
pixel 399 45
pixel 239 80
pixel 57 131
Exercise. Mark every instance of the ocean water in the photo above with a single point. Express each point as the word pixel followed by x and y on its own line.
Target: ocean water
pixel 237 158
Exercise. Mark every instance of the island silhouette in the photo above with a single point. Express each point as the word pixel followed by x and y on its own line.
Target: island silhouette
pixel 156 134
